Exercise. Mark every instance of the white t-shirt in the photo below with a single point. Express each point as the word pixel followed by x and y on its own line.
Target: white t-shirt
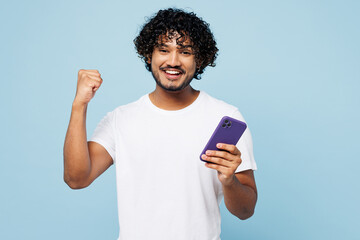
pixel 164 190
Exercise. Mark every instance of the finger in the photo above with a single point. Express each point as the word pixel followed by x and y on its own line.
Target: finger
pixel 228 147
pixel 226 172
pixel 94 84
pixel 83 73
pixel 87 78
pixel 222 154
pixel 89 70
pixel 96 78
pixel 93 76
pixel 217 161
pixel 221 169
pixel 87 74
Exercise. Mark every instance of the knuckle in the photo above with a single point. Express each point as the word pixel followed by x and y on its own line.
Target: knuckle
pixel 225 155
pixel 230 155
pixel 222 154
pixel 215 160
pixel 218 153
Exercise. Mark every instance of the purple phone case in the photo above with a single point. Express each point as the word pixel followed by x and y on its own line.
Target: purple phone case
pixel 229 130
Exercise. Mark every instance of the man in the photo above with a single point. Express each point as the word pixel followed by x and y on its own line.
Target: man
pixel 164 190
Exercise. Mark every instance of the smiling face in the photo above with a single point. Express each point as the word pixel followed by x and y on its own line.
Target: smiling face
pixel 173 64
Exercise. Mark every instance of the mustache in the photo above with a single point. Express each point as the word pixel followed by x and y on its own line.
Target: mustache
pixel 172 68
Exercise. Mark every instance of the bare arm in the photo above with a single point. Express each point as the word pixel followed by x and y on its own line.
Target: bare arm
pixel 240 196
pixel 83 161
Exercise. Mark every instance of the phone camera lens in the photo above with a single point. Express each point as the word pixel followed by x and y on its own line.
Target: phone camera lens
pixel 224 125
pixel 229 124
pixel 226 121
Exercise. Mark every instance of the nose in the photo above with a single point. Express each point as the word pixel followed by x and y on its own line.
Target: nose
pixel 173 59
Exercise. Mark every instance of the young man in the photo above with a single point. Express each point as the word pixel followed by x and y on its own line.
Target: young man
pixel 164 190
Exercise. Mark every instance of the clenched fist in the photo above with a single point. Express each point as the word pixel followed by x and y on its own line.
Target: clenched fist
pixel 89 81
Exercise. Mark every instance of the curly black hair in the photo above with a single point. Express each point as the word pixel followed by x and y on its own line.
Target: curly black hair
pixel 176 22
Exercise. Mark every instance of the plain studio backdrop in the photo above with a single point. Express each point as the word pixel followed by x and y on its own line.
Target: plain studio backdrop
pixel 291 67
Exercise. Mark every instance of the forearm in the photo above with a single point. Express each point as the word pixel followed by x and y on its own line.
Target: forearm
pixel 76 153
pixel 240 199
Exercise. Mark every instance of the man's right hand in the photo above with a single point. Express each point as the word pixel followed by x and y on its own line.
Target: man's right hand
pixel 89 81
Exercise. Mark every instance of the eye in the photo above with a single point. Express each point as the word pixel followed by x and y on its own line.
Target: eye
pixel 186 53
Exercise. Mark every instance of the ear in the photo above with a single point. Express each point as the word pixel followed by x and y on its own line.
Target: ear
pixel 198 64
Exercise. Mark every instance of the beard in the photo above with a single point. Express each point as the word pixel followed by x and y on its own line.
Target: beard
pixel 172 88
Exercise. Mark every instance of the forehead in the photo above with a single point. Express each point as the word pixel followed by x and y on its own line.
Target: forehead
pixel 179 39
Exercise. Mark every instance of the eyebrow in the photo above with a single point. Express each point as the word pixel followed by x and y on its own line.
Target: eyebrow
pixel 161 45
pixel 178 45
pixel 186 46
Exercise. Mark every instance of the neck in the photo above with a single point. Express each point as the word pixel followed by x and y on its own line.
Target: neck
pixel 168 100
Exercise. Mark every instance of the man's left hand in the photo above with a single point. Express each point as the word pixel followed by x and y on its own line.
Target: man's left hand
pixel 225 162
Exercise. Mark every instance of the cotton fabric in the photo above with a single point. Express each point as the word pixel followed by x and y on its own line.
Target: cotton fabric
pixel 164 190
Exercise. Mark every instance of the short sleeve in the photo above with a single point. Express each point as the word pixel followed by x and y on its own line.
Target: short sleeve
pixel 104 134
pixel 245 145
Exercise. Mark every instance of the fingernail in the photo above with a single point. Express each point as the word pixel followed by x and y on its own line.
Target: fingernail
pixel 219 145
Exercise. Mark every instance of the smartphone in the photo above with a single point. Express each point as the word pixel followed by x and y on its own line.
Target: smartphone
pixel 229 131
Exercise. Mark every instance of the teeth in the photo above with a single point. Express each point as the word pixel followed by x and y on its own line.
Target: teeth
pixel 172 72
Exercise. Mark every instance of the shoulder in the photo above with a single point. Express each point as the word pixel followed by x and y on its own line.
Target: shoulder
pixel 122 111
pixel 130 107
pixel 219 105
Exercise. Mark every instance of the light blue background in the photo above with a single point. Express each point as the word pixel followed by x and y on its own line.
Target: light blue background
pixel 292 68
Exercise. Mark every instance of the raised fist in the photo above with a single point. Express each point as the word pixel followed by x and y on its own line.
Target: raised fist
pixel 89 81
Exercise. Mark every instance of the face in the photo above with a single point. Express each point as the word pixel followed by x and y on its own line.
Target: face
pixel 173 65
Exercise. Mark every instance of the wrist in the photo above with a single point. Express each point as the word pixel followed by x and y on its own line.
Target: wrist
pixel 230 182
pixel 78 105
